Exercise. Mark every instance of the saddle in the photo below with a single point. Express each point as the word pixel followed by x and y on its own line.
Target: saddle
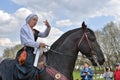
pixel 22 57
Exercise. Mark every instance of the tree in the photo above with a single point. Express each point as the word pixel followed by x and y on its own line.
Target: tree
pixel 11 52
pixel 109 40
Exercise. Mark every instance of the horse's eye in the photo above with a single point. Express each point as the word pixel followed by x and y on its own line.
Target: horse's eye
pixel 91 37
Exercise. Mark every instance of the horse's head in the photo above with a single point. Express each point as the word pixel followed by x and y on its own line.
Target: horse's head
pixel 89 47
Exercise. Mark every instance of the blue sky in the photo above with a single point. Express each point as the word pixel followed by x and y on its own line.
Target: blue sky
pixel 9 6
pixel 63 15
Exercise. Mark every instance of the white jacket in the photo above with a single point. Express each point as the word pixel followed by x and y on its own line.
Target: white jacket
pixel 27 37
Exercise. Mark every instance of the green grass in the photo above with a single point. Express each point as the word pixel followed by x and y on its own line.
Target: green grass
pixel 76 75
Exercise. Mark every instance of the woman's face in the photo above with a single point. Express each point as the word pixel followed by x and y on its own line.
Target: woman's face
pixel 33 22
pixel 107 69
pixel 118 67
pixel 86 65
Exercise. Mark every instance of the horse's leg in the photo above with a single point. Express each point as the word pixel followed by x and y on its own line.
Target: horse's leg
pixel 0 76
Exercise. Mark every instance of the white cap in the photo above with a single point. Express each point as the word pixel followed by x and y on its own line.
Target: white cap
pixel 30 17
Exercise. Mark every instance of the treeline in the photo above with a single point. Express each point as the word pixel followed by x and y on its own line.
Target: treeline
pixel 109 40
pixel 11 52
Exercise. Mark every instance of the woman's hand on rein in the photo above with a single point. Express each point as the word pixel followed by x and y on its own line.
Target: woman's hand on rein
pixel 42 45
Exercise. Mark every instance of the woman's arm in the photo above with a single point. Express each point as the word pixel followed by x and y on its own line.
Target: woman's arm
pixel 91 73
pixel 82 74
pixel 46 32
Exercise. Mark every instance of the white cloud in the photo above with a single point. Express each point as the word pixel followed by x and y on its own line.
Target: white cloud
pixel 6 42
pixel 21 13
pixel 113 9
pixel 53 36
pixel 10 23
pixel 5 17
pixel 63 23
pixel 75 9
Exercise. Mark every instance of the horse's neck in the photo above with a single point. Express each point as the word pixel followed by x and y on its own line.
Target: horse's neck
pixel 65 61
pixel 71 54
pixel 58 42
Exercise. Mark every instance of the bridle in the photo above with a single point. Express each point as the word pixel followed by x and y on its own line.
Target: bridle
pixel 57 52
pixel 88 41
pixel 90 46
pixel 81 39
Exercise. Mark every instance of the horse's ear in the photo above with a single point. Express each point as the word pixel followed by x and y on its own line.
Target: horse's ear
pixel 84 26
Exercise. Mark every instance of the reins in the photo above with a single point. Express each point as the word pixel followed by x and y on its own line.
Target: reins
pixel 60 53
pixel 84 35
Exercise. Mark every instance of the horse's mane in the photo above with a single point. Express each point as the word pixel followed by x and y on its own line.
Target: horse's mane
pixel 60 40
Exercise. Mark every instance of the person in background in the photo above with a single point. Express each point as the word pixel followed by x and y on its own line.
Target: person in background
pixel 108 75
pixel 87 73
pixel 117 72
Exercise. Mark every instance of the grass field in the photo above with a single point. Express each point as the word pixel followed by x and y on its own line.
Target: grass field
pixel 76 75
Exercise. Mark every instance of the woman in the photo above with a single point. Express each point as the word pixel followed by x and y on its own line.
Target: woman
pixel 108 75
pixel 87 73
pixel 28 37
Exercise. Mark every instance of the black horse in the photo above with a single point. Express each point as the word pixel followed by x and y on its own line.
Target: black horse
pixel 63 54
